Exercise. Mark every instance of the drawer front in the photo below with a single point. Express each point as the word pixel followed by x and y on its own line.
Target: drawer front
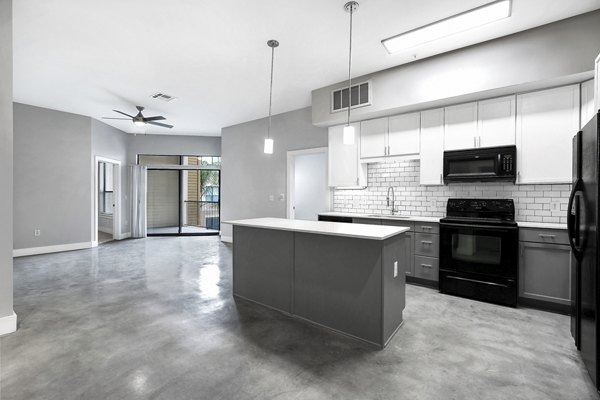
pixel 555 236
pixel 404 224
pixel 427 268
pixel 427 244
pixel 367 221
pixel 427 227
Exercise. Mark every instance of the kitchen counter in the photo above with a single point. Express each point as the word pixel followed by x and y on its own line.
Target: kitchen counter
pixel 399 217
pixel 396 217
pixel 344 277
pixel 374 232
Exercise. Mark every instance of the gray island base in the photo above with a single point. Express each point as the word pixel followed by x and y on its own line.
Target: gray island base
pixel 345 277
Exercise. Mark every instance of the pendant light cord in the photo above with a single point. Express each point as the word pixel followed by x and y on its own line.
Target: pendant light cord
pixel 350 67
pixel 271 91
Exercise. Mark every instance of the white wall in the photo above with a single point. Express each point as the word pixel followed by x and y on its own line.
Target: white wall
pixel 553 54
pixel 6 162
pixel 249 177
pixel 52 177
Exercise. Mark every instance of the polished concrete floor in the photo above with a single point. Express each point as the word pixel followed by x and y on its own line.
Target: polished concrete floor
pixel 154 319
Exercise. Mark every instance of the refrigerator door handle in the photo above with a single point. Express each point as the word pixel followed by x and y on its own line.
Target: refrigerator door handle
pixel 573 220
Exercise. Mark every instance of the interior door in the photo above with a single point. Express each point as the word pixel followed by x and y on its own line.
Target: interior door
pixel 310 186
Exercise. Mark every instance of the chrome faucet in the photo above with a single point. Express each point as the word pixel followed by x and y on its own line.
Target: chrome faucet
pixel 387 199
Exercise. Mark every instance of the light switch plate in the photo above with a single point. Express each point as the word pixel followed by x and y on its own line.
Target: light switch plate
pixel 395 269
pixel 271 197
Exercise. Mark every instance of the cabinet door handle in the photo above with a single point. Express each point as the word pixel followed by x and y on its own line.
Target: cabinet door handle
pixel 426 227
pixel 544 236
pixel 426 242
pixel 426 265
pixel 441 180
pixel 474 141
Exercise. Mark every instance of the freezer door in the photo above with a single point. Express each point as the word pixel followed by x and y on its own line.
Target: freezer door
pixel 588 246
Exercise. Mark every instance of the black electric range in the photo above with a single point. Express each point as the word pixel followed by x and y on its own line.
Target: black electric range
pixel 479 250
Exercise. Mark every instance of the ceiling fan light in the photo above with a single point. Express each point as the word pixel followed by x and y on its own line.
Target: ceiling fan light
pixel 268 146
pixel 348 135
pixel 139 123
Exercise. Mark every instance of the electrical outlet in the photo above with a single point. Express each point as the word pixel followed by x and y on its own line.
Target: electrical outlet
pixel 395 269
pixel 554 206
pixel 281 196
pixel 37 232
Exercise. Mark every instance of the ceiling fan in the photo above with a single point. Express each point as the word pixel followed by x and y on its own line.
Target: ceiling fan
pixel 140 120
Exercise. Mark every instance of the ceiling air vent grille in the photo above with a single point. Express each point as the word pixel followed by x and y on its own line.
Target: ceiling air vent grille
pixel 361 96
pixel 162 96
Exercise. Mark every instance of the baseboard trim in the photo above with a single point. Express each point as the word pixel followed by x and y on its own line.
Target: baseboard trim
pixel 52 249
pixel 125 235
pixel 227 239
pixel 8 324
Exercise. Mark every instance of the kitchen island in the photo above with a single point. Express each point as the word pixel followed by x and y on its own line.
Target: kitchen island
pixel 344 277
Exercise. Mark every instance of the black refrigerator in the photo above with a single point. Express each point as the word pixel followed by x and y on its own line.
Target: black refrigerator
pixel 582 222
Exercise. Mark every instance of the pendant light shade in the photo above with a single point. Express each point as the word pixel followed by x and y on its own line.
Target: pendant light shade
pixel 268 146
pixel 348 135
pixel 268 149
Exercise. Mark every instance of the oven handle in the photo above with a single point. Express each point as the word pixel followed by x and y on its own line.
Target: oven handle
pixel 488 227
pixel 476 281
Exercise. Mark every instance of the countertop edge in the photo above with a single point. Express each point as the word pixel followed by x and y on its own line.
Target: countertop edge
pixel 247 223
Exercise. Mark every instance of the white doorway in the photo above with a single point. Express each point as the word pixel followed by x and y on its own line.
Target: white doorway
pixel 107 200
pixel 308 193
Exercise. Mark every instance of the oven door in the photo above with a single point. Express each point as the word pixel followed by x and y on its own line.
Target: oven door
pixel 479 249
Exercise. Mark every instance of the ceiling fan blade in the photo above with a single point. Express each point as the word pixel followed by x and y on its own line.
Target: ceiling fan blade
pixel 124 119
pixel 159 124
pixel 158 118
pixel 121 112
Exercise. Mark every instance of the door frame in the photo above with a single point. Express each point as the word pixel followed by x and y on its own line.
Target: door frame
pixel 291 169
pixel 117 234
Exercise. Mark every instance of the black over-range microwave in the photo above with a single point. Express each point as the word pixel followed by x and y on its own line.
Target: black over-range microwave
pixel 484 164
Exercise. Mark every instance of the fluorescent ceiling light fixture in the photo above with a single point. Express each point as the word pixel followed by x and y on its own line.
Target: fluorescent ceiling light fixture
pixel 458 23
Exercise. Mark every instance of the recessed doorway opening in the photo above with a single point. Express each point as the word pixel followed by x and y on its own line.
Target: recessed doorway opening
pixel 107 204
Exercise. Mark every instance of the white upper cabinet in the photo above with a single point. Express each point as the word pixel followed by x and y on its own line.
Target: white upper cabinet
pixel 432 146
pixel 460 126
pixel 403 135
pixel 587 102
pixel 344 166
pixel 496 122
pixel 546 123
pixel 373 138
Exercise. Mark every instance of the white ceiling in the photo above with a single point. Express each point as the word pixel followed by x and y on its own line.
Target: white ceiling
pixel 89 57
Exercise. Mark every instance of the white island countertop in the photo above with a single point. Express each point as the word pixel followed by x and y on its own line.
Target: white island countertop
pixel 359 231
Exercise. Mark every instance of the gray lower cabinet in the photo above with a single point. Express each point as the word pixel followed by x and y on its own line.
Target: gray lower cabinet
pixel 544 268
pixel 409 245
pixel 427 268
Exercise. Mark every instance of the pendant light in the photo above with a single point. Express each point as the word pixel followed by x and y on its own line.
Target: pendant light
pixel 348 135
pixel 268 141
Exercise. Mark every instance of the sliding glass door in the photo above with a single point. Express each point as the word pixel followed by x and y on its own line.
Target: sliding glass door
pixel 183 195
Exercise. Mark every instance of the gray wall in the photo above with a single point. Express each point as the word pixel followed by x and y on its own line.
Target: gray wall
pixel 557 53
pixel 172 145
pixel 249 177
pixel 6 159
pixel 52 177
pixel 112 143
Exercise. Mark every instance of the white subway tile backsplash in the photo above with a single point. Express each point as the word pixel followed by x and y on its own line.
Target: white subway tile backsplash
pixel 532 202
